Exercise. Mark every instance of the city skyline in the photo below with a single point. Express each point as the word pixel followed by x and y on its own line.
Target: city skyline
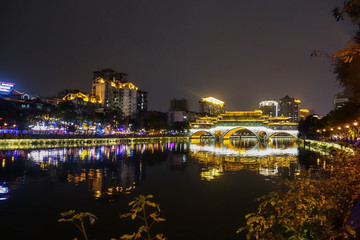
pixel 241 53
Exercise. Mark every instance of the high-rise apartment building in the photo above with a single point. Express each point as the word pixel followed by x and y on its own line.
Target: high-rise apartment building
pixel 109 74
pixel 180 111
pixel 179 105
pixel 289 107
pixel 142 99
pixel 211 106
pixel 113 91
pixel 269 107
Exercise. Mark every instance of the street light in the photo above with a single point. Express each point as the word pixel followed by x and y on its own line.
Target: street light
pixel 356 130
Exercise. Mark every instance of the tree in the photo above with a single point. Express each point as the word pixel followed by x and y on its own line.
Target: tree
pixel 78 219
pixel 316 206
pixel 155 120
pixel 140 208
pixel 308 127
pixel 66 111
pixel 347 60
pixel 113 117
pixel 179 126
pixel 351 9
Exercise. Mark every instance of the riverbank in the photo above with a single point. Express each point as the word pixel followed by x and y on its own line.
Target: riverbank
pixel 12 144
pixel 325 147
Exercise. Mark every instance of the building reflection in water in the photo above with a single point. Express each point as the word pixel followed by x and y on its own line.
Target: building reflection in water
pixel 110 171
pixel 278 157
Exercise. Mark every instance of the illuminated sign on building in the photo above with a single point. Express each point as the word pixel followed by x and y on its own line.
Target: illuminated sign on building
pixel 6 87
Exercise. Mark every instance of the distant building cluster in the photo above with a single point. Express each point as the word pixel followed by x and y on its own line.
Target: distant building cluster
pixel 180 111
pixel 110 90
pixel 22 100
pixel 288 107
pixel 210 107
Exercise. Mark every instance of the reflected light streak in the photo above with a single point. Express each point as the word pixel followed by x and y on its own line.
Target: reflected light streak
pixel 246 153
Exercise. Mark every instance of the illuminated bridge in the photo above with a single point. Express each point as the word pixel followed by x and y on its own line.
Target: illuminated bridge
pixel 243 124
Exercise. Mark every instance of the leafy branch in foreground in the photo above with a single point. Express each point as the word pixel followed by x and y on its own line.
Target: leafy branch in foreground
pixel 312 207
pixel 139 209
pixel 78 219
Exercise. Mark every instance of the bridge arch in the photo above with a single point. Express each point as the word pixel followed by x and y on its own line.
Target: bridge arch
pixel 232 131
pixel 275 146
pixel 241 149
pixel 218 133
pixel 200 133
pixel 283 133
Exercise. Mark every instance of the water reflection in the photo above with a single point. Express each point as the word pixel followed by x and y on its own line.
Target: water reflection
pixel 278 157
pixel 110 171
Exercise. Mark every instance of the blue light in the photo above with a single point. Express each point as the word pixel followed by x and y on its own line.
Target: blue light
pixel 4 190
pixel 6 87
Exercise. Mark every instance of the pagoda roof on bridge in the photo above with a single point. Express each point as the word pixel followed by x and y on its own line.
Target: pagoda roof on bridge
pixel 282 117
pixel 242 113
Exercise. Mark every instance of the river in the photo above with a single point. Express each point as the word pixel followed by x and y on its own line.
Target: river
pixel 204 188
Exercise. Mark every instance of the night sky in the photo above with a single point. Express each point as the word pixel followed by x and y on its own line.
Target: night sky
pixel 240 51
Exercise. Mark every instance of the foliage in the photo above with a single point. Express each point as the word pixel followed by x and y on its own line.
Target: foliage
pixel 78 219
pixel 10 114
pixel 344 115
pixel 179 126
pixel 155 120
pixel 113 116
pixel 348 74
pixel 351 9
pixel 347 60
pixel 310 207
pixel 307 128
pixel 139 209
pixel 66 111
pixel 348 113
pixel 349 53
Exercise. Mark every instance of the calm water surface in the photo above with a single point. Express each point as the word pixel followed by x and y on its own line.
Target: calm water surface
pixel 204 188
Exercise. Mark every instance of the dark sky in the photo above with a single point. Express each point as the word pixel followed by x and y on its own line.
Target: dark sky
pixel 240 51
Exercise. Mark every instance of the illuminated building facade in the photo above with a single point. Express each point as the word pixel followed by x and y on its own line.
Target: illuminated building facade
pixel 80 99
pixel 269 107
pixel 211 106
pixel 112 91
pixel 177 116
pixel 128 98
pixel 289 107
pixel 6 88
pixel 8 91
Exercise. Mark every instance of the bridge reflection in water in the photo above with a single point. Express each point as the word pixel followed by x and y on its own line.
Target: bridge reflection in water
pixel 278 157
pixel 111 171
